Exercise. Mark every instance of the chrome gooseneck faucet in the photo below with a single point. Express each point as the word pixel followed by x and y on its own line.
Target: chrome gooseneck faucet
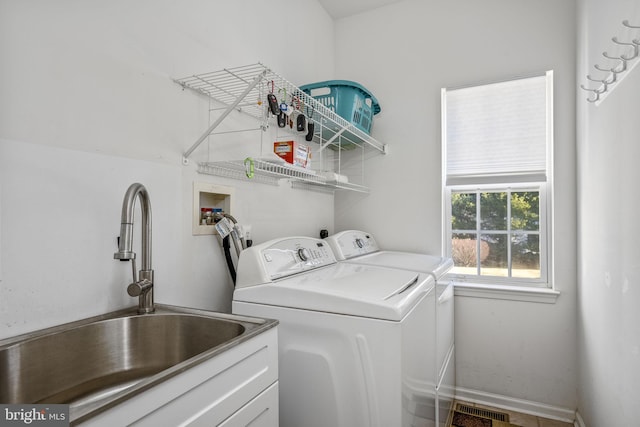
pixel 141 287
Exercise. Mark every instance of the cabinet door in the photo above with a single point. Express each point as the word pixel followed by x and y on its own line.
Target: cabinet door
pixel 262 411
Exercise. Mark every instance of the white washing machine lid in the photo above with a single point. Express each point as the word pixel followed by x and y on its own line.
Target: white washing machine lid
pixel 407 261
pixel 345 288
pixel 361 247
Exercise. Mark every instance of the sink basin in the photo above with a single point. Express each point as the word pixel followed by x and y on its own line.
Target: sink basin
pixel 96 363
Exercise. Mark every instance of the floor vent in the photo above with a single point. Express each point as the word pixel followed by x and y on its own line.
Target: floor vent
pixel 480 412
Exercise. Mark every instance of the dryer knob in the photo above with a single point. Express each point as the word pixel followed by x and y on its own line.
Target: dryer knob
pixel 304 254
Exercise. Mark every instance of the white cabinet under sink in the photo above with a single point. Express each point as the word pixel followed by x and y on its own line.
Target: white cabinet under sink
pixel 236 388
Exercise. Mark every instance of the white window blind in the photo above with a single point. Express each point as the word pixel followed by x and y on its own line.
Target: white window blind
pixel 497 133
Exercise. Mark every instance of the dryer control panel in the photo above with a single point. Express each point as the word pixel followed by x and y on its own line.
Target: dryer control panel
pixel 352 243
pixel 284 257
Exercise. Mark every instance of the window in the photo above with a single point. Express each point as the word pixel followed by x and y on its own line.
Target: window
pixel 497 180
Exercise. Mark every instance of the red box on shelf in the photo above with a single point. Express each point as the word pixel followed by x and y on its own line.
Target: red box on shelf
pixel 293 152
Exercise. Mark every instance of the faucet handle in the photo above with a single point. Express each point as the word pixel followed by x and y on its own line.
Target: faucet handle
pixel 138 288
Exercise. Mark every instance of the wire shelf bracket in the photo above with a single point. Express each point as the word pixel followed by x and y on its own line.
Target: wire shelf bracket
pixel 232 106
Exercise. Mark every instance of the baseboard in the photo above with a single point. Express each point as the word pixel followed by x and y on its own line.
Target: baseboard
pixel 579 422
pixel 517 405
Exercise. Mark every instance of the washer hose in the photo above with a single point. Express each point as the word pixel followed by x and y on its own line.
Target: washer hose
pixel 227 255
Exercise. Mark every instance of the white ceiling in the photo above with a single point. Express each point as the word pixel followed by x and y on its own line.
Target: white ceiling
pixel 343 8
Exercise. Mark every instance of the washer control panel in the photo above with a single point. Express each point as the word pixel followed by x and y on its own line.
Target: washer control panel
pixel 294 255
pixel 352 243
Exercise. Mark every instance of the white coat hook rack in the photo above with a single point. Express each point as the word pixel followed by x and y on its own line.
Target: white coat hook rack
pixel 612 75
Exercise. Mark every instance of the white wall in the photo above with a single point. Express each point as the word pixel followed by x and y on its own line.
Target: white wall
pixel 405 53
pixel 609 267
pixel 88 106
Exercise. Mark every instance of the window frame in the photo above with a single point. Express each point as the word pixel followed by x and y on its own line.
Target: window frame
pixel 542 188
pixel 496 284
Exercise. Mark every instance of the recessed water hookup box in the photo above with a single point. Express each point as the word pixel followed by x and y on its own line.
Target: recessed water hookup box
pixel 208 199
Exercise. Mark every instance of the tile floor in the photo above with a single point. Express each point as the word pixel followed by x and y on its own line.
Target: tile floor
pixel 524 420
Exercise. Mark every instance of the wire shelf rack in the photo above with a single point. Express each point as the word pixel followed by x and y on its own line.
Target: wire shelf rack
pixel 245 89
pixel 268 172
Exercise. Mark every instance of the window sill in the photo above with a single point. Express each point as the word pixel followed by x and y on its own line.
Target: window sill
pixel 504 292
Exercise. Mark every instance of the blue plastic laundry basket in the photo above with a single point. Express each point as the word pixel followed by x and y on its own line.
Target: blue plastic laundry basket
pixel 350 100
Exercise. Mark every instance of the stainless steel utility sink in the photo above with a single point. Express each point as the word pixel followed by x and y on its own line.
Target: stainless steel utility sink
pixel 99 362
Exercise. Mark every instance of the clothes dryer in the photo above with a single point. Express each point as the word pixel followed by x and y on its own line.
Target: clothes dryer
pixel 351 336
pixel 359 247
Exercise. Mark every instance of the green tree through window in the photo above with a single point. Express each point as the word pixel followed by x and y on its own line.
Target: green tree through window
pixel 496 233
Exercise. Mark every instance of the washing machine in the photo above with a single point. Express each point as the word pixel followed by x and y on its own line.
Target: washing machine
pixel 354 246
pixel 350 336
